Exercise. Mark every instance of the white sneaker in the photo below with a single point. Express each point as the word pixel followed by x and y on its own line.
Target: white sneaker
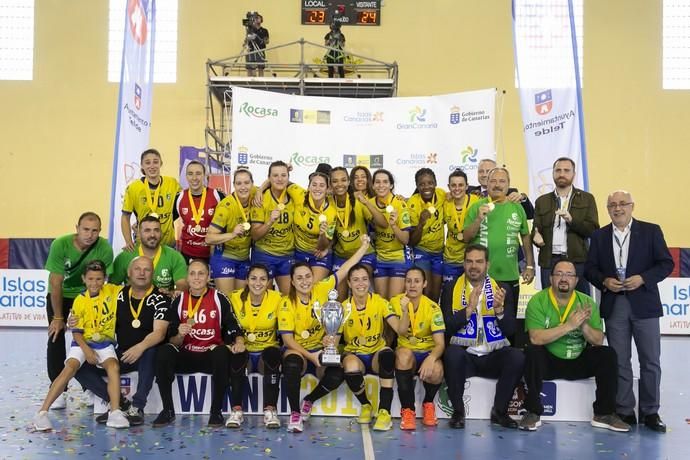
pixel 42 422
pixel 235 420
pixel 60 402
pixel 295 425
pixel 90 397
pixel 117 419
pixel 271 419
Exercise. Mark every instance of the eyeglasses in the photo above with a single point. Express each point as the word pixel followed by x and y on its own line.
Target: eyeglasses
pixel 618 205
pixel 564 275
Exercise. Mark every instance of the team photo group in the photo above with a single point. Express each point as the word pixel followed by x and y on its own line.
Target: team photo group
pixel 342 277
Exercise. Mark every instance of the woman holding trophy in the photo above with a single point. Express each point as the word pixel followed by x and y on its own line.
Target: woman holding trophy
pixel 365 349
pixel 304 335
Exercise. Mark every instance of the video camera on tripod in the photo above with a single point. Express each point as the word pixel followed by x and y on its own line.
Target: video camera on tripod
pixel 250 18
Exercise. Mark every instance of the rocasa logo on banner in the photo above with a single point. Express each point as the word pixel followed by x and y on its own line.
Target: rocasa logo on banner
pixel 257 112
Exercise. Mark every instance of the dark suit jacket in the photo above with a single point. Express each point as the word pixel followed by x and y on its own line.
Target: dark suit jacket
pixel 583 208
pixel 648 256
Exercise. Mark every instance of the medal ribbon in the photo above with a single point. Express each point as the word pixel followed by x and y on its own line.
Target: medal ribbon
pixel 251 317
pixel 313 206
pixel 357 317
pixel 136 313
pixel 282 197
pixel 554 303
pixel 152 202
pixel 156 258
pixel 191 311
pixel 411 313
pixel 344 222
pixel 196 213
pixel 239 204
pixel 460 220
pixel 306 310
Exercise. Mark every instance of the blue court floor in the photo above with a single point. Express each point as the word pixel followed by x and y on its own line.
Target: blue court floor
pixel 23 383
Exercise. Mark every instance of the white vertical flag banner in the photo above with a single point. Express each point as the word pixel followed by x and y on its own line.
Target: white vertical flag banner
pixel 548 75
pixel 401 134
pixel 134 106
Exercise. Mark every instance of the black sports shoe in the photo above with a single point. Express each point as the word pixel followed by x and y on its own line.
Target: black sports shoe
pixel 135 416
pixel 629 419
pixel 216 419
pixel 103 418
pixel 457 420
pixel 166 417
pixel 503 419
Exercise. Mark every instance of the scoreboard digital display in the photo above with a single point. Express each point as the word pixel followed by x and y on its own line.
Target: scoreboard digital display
pixel 353 13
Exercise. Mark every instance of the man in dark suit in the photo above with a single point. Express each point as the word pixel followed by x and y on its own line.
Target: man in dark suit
pixel 626 260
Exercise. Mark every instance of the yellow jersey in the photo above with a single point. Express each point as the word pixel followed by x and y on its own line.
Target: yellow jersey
pixel 260 322
pixel 454 250
pixel 388 247
pixel 306 224
pixel 229 212
pixel 363 329
pixel 280 238
pixel 300 320
pixel 347 236
pixel 96 315
pixel 136 201
pixel 424 323
pixel 433 233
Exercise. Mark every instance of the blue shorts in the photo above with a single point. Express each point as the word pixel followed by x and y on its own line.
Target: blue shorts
pixel 392 269
pixel 452 272
pixel 223 267
pixel 368 259
pixel 419 357
pixel 253 364
pixel 428 261
pixel 313 261
pixel 277 265
pixel 367 360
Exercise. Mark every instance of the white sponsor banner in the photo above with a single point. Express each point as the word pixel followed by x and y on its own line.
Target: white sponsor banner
pixel 23 298
pixel 562 399
pixel 549 86
pixel 400 134
pixel 675 297
pixel 134 106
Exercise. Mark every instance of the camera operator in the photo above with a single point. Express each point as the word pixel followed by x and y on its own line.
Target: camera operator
pixel 335 40
pixel 255 40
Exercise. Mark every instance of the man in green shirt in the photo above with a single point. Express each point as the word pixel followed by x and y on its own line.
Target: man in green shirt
pixel 67 259
pixel 169 267
pixel 561 322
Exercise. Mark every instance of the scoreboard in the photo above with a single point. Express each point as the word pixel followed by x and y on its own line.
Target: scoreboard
pixel 346 12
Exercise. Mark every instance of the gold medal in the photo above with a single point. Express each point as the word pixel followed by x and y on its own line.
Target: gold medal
pixel 362 340
pixel 251 337
pixel 136 324
pixel 197 229
pixel 96 336
pixel 305 334
pixel 431 209
pixel 281 206
pixel 345 233
pixel 154 215
pixel 191 321
pixel 322 218
pixel 246 226
pixel 412 339
pixel 491 206
pixel 390 208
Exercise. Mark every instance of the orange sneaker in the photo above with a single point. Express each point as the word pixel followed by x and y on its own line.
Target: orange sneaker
pixel 429 418
pixel 408 419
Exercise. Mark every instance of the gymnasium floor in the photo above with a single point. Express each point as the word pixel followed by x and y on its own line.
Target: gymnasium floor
pixel 23 383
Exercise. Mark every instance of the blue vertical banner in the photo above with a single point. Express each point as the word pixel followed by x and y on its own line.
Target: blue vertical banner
pixel 134 106
pixel 549 81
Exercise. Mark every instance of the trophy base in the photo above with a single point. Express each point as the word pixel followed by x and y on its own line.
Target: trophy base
pixel 330 359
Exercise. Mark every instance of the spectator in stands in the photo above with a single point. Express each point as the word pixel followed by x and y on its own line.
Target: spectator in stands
pixel 419 349
pixel 207 338
pixel 477 324
pixel 67 259
pixel 563 222
pixel 566 338
pixel 169 268
pixel 500 225
pixel 195 207
pixel 143 316
pixel 230 228
pixel 626 261
pixel 152 195
pixel 256 309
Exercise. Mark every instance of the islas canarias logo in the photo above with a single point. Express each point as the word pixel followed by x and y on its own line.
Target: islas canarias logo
pixel 136 17
pixel 543 102
pixel 417 114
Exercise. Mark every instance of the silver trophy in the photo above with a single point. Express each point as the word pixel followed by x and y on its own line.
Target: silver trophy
pixel 331 315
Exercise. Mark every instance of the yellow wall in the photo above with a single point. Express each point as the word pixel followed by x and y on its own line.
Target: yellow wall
pixel 58 130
